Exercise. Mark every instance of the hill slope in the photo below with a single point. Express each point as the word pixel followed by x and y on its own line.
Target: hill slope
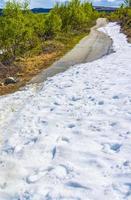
pixel 69 138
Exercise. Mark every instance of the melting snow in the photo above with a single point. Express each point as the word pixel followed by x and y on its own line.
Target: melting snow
pixel 69 138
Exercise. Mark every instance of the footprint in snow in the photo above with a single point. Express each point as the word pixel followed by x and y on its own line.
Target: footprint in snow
pixel 101 103
pixel 32 141
pixel 115 147
pixel 44 122
pixel 113 124
pixel 25 196
pixel 8 149
pixel 126 163
pixel 91 98
pixel 76 185
pixel 53 152
pixel 115 97
pixel 56 104
pixel 128 193
pixel 108 148
pixel 75 98
pixel 3 185
pixel 71 126
pixel 37 175
pixel 65 139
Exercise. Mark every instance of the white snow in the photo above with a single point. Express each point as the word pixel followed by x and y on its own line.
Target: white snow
pixel 70 137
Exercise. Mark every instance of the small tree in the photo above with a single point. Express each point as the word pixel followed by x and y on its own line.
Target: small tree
pixel 53 24
pixel 16 32
pixel 75 15
pixel 127 3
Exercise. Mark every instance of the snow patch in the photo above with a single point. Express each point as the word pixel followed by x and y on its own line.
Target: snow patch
pixel 69 138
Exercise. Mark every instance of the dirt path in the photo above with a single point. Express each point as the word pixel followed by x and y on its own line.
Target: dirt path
pixel 92 47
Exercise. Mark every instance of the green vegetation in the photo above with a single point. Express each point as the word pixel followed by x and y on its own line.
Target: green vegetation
pixel 17 34
pixel 53 25
pixel 23 33
pixel 123 17
pixel 127 3
pixel 76 16
pixel 30 42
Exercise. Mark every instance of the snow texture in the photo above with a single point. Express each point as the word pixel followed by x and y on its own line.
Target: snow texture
pixel 70 137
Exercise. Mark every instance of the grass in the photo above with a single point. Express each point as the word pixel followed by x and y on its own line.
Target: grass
pixel 29 66
pixel 123 17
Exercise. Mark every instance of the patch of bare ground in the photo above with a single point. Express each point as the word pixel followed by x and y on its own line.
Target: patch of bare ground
pixel 24 69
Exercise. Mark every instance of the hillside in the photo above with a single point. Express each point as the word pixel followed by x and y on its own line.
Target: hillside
pixel 69 137
pixel 46 10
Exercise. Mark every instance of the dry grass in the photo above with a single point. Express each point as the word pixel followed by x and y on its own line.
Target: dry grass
pixel 127 31
pixel 24 69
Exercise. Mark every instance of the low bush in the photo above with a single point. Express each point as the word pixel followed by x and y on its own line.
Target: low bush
pixel 21 31
pixel 123 17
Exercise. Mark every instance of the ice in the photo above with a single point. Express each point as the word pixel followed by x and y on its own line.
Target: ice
pixel 69 137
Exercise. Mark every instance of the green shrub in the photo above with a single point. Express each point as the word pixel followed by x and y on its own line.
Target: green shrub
pixel 75 15
pixel 53 24
pixel 123 17
pixel 21 31
pixel 16 33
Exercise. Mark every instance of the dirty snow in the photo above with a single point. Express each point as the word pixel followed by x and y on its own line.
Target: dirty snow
pixel 70 137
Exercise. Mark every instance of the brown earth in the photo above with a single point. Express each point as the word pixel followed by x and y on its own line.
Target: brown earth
pixel 24 69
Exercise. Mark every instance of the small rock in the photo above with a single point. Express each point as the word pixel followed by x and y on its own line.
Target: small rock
pixel 9 80
pixel 1 84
